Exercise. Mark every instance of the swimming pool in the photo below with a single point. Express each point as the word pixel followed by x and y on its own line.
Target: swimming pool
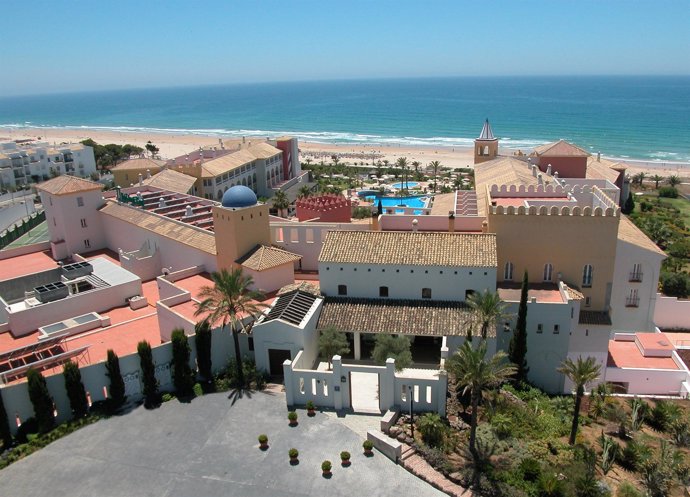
pixel 410 201
pixel 407 184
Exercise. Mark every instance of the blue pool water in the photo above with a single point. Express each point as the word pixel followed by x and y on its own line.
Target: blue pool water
pixel 419 201
pixel 410 184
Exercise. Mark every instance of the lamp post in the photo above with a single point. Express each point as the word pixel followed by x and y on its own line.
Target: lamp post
pixel 411 390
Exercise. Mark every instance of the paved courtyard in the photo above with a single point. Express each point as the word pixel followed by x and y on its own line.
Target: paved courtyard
pixel 208 448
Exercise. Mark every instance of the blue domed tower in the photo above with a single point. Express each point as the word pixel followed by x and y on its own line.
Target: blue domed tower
pixel 240 224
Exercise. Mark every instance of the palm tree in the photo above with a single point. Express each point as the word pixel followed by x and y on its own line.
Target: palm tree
pixel 281 202
pixel 378 169
pixel 304 191
pixel 435 165
pixel 335 159
pixel 308 161
pixel 580 372
pixel 489 308
pixel 416 164
pixel 638 178
pixel 476 373
pixel 230 301
pixel 657 179
pixel 402 164
pixel 673 180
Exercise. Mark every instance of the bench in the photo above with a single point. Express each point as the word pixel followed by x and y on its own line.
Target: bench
pixel 387 446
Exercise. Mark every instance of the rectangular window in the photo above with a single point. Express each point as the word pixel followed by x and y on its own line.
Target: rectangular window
pixel 587 276
pixel 87 243
pixel 383 291
pixel 540 328
pixel 80 201
pixel 426 293
pixel 588 301
pixel 250 343
pixel 556 329
pixel 636 274
pixel 342 289
pixel 83 223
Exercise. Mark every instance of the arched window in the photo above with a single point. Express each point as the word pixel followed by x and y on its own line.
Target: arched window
pixel 508 273
pixel 548 271
pixel 587 275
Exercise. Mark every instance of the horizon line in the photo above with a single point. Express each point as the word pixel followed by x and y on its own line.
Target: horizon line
pixel 337 80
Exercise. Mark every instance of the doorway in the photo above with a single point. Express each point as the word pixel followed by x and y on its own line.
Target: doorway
pixel 276 358
pixel 364 392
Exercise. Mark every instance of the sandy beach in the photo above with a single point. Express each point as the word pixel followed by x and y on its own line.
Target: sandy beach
pixel 174 145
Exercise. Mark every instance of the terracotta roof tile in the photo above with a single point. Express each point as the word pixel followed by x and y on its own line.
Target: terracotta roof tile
pixel 263 257
pixel 410 248
pixel 561 148
pixel 408 317
pixel 64 185
pixel 140 164
pixel 180 232
pixel 171 180
pixel 501 171
pixel 629 233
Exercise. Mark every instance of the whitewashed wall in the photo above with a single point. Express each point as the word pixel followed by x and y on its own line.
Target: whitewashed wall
pixel 672 313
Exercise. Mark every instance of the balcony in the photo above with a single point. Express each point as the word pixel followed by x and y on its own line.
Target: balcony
pixel 632 302
pixel 635 276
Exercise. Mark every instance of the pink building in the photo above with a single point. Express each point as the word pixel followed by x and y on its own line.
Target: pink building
pixel 327 208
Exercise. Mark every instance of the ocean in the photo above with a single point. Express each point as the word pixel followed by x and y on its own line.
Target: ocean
pixel 646 118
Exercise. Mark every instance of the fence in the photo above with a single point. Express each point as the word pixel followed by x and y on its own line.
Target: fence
pixel 332 389
pixel 21 228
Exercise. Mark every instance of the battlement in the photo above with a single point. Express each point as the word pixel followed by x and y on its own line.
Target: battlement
pixel 327 207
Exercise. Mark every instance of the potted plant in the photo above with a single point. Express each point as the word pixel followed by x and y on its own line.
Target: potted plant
pixel 326 468
pixel 294 454
pixel 345 458
pixel 263 442
pixel 368 446
pixel 311 408
pixel 292 417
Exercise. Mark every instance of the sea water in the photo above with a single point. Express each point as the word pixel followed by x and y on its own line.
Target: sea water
pixel 629 117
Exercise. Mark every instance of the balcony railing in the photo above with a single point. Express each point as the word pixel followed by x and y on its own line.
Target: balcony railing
pixel 635 276
pixel 632 302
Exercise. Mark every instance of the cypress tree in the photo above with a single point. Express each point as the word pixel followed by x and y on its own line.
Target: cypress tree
pixel 183 377
pixel 41 400
pixel 117 384
pixel 5 432
pixel 629 205
pixel 148 371
pixel 75 389
pixel 203 339
pixel 518 343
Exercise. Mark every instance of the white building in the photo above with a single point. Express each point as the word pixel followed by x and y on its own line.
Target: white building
pixel 21 165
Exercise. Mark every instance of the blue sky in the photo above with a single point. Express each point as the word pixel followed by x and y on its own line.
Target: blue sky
pixel 58 46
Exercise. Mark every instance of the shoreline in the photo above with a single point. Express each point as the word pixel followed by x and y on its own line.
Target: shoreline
pixel 175 144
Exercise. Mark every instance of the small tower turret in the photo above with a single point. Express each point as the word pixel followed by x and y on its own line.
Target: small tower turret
pixel 486 146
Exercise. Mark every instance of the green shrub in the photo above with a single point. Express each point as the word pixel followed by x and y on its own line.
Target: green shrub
pixel 345 455
pixel 668 192
pixel 326 466
pixel 117 384
pixel 41 400
pixel 609 452
pixel 627 489
pixel 310 405
pixel 367 445
pixel 530 469
pixel 634 454
pixel 293 453
pixel 663 415
pixel 502 425
pixel 198 390
pixel 292 417
pixel 675 284
pixel 183 378
pixel 5 433
pixel 148 370
pixel 167 397
pixel 263 439
pixel 550 486
pixel 432 429
pixel 203 340
pixel 75 389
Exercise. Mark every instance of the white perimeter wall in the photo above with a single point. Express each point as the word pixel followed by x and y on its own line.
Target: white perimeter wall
pixel 672 313
pixel 405 282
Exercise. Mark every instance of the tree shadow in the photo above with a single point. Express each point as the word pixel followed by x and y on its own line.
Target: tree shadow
pixel 239 393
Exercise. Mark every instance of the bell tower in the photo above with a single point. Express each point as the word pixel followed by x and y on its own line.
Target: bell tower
pixel 486 146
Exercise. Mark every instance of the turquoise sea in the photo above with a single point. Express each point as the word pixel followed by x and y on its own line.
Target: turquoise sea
pixel 644 118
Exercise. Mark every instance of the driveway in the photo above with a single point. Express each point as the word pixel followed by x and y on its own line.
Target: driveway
pixel 208 448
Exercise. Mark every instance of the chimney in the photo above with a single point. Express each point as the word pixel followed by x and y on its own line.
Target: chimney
pixel 534 170
pixel 548 169
pixel 451 222
pixel 188 211
pixel 148 173
pixel 540 179
pixel 141 179
pixel 485 226
pixel 555 175
pixel 161 203
pixel 529 162
pixel 375 222
pixel 414 225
